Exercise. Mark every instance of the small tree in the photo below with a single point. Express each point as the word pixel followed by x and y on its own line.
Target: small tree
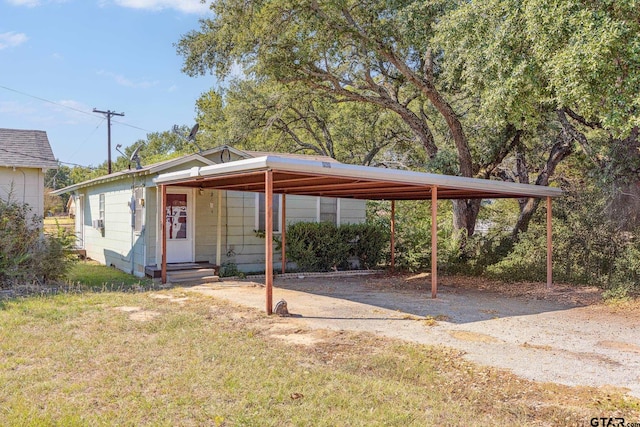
pixel 27 256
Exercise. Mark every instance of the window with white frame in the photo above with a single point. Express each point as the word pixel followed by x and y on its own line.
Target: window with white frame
pixel 260 208
pixel 138 195
pixel 101 213
pixel 328 208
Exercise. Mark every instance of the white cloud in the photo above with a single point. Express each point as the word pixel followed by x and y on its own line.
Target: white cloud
pixel 33 3
pixel 28 3
pixel 12 39
pixel 124 81
pixel 186 6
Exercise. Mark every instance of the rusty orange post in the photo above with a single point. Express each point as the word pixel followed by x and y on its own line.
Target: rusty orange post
pixel 393 235
pixel 163 232
pixel 268 244
pixel 283 233
pixel 549 244
pixel 434 241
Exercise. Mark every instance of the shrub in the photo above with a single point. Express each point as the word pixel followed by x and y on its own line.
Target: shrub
pixel 325 246
pixel 27 256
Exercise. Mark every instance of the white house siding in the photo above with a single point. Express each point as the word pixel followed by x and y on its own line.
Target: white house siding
pixel 244 248
pixel 353 211
pixel 206 213
pixel 25 185
pixel 120 246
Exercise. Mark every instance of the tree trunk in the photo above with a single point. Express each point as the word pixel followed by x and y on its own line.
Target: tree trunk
pixel 465 215
pixel 560 150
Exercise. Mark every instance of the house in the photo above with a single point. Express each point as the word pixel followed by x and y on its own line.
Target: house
pixel 25 156
pixel 118 216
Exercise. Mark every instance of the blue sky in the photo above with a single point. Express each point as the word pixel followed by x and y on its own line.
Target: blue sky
pixel 60 56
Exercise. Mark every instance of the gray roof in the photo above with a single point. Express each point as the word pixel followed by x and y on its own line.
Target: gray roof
pixel 26 148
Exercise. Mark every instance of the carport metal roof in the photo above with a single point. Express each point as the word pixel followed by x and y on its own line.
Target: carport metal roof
pixel 273 174
pixel 332 179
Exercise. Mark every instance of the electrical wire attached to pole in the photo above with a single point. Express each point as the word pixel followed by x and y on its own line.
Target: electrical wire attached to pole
pixel 108 113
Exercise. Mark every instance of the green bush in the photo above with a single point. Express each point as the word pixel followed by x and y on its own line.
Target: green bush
pixel 27 256
pixel 325 246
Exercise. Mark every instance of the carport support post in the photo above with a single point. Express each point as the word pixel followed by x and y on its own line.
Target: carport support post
pixel 393 235
pixel 283 233
pixel 434 241
pixel 268 243
pixel 163 232
pixel 219 231
pixel 549 245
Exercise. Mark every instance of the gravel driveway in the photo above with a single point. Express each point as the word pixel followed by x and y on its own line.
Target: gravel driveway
pixel 538 339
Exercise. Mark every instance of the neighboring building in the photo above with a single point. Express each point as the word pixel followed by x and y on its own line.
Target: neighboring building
pixel 117 216
pixel 25 156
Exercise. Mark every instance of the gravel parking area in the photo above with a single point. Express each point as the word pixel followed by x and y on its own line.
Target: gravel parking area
pixel 562 335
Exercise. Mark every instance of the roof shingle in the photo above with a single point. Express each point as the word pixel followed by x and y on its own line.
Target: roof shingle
pixel 26 148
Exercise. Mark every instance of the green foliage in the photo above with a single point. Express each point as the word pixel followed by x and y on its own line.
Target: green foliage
pixel 588 247
pixel 324 246
pixel 367 242
pixel 27 256
pixel 229 269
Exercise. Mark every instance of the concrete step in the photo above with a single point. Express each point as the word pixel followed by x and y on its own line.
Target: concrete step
pixel 187 274
pixel 201 280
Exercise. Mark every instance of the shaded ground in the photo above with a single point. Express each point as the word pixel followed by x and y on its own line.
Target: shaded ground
pixel 562 335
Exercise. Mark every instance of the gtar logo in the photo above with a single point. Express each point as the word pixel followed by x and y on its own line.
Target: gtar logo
pixel 607 422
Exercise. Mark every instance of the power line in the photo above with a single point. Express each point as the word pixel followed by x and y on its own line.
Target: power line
pixel 108 113
pixel 46 100
pixel 32 156
pixel 69 108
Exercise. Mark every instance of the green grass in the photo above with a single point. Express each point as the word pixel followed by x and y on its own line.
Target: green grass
pixel 94 276
pixel 154 358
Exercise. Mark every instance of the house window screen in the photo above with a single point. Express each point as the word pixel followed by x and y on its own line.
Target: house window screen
pixel 260 212
pixel 328 210
pixel 138 210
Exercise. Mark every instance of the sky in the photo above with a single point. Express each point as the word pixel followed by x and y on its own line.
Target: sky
pixel 60 59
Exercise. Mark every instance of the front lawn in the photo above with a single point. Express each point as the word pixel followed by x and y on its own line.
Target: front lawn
pixel 173 357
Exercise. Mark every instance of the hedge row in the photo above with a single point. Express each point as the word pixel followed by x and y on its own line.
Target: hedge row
pixel 325 246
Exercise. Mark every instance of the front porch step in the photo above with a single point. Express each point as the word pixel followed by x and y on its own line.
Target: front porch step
pixel 196 272
pixel 195 276
pixel 154 271
pixel 194 280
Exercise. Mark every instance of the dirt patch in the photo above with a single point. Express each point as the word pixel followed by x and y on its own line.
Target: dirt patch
pixel 171 298
pixel 138 314
pixel 558 292
pixel 299 339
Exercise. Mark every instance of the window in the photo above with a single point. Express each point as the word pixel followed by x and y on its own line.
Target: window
pixel 101 210
pixel 328 210
pixel 260 212
pixel 138 195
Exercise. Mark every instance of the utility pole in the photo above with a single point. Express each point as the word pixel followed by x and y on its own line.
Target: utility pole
pixel 108 113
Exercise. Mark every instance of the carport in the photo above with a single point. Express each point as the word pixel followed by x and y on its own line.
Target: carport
pixel 279 175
